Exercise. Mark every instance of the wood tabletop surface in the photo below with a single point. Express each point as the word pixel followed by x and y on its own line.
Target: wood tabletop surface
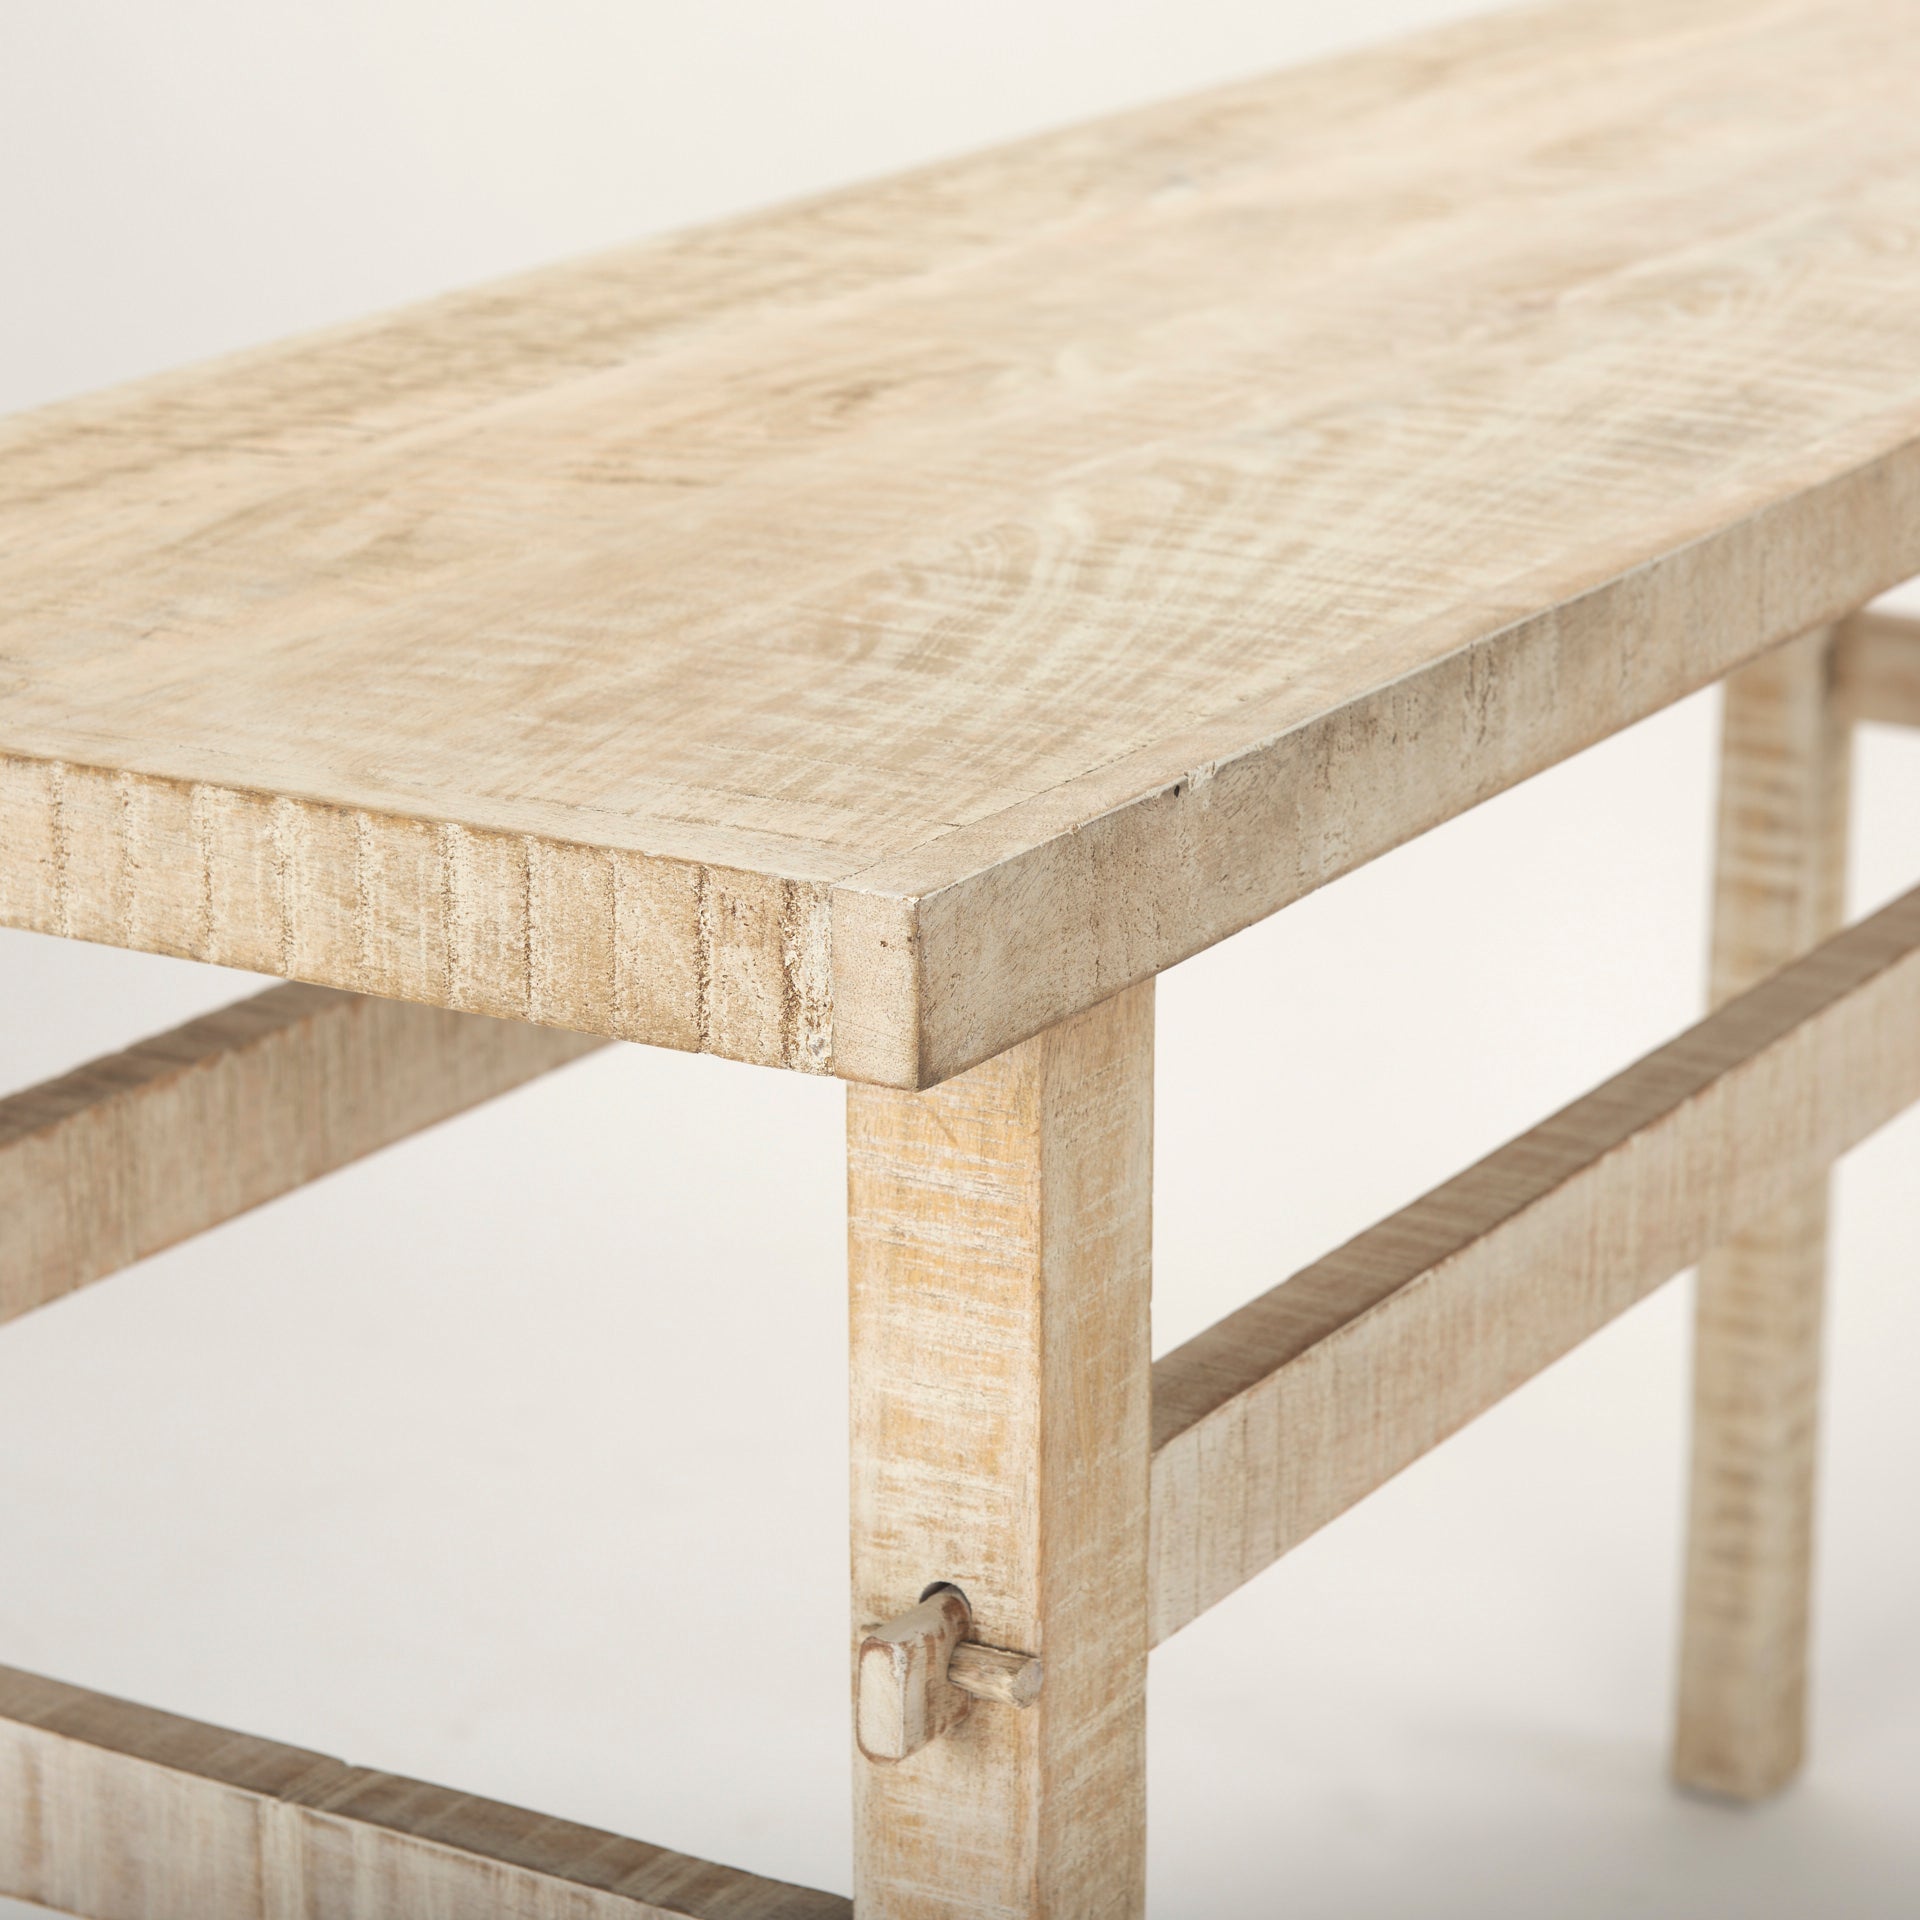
pixel 856 636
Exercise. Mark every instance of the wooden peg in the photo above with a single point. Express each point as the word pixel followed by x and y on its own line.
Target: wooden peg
pixel 992 1673
pixel 919 1675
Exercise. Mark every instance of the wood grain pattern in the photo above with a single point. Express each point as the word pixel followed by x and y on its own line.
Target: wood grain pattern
pixel 1876 674
pixel 856 637
pixel 119 1812
pixel 1000 1240
pixel 145 1148
pixel 1779 887
pixel 1284 1414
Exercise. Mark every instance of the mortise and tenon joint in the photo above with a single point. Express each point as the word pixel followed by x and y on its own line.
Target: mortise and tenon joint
pixel 918 1675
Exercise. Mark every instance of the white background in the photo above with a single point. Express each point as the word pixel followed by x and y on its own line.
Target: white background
pixel 514 1458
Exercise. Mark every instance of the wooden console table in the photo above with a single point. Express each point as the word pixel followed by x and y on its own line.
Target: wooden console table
pixel 875 638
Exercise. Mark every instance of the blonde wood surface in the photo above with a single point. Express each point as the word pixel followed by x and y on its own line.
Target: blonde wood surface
pixel 856 637
pixel 1779 889
pixel 119 1812
pixel 1877 669
pixel 1289 1411
pixel 999 1248
pixel 145 1148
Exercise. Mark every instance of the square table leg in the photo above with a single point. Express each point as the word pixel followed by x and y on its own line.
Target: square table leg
pixel 1778 891
pixel 999 1237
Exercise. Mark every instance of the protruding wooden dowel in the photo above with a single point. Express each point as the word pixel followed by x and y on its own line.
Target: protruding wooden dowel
pixel 992 1673
pixel 918 1675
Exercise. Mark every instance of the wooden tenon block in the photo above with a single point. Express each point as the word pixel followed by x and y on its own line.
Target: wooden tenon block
pixel 903 1695
pixel 917 1676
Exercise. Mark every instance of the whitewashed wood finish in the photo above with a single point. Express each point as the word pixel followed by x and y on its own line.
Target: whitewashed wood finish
pixel 119 1812
pixel 1779 889
pixel 999 1249
pixel 144 1148
pixel 1286 1413
pixel 856 637
pixel 1877 669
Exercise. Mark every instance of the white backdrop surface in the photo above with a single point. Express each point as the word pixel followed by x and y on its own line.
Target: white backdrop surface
pixel 474 1460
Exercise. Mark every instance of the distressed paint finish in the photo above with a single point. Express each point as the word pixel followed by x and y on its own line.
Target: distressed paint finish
pixel 1779 889
pixel 999 1250
pixel 856 637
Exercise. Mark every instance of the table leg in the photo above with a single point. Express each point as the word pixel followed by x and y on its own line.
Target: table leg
pixel 999 1249
pixel 1778 891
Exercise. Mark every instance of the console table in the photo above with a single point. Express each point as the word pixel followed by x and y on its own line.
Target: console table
pixel 875 638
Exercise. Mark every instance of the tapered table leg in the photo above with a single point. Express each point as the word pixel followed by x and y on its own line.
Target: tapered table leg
pixel 999 1253
pixel 1778 891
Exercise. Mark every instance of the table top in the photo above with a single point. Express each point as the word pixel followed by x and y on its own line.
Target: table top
pixel 855 636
